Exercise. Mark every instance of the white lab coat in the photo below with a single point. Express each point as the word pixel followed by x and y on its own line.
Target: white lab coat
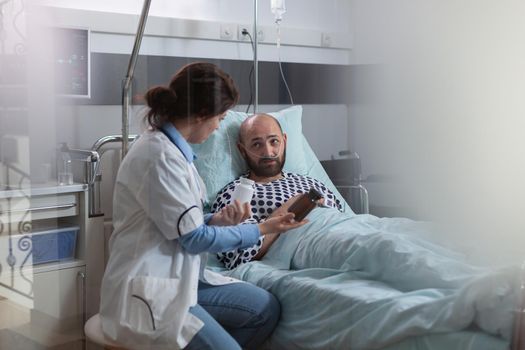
pixel 150 281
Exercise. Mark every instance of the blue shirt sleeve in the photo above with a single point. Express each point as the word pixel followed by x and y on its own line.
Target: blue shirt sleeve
pixel 207 217
pixel 216 239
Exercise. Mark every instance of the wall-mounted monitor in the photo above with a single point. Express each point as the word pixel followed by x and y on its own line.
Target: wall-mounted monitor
pixel 72 62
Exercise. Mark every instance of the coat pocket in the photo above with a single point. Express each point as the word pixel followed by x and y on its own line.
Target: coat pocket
pixel 148 301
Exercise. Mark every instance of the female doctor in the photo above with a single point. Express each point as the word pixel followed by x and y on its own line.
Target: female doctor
pixel 156 292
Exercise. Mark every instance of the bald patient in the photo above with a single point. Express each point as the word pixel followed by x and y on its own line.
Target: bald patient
pixel 262 144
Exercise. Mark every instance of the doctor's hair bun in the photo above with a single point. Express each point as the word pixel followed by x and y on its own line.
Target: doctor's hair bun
pixel 161 101
pixel 197 90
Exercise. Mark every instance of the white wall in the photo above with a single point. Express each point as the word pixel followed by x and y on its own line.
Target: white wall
pixel 443 110
pixel 328 15
pixel 312 31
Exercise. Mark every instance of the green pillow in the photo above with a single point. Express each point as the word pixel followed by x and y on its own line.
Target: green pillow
pixel 219 161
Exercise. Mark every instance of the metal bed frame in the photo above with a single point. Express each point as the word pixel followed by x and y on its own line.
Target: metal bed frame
pixel 518 334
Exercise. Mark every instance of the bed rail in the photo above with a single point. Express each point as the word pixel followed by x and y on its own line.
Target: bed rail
pixel 518 335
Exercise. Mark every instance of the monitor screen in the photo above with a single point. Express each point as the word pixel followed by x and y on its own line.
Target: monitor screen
pixel 72 62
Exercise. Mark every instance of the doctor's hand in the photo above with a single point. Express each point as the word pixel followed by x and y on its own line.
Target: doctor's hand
pixel 280 224
pixel 232 214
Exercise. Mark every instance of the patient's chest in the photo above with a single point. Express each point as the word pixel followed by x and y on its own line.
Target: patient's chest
pixel 269 196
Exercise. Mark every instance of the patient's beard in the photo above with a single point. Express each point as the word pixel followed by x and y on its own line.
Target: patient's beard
pixel 260 169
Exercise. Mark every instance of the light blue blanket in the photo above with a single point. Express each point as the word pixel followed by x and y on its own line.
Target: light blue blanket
pixel 362 282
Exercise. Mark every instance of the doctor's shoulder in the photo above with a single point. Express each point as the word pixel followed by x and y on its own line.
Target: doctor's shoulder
pixel 152 149
pixel 152 144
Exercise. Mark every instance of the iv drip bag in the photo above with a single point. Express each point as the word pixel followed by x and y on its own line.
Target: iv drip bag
pixel 278 9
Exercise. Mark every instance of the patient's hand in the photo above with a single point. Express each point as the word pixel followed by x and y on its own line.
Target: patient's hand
pixel 232 214
pixel 273 234
pixel 283 209
pixel 280 224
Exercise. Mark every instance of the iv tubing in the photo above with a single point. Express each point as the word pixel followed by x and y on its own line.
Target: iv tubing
pixel 279 57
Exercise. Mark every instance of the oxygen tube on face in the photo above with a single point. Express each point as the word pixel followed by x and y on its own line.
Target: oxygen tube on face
pixel 276 156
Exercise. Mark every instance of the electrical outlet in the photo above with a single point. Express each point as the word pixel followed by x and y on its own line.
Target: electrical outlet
pixel 227 31
pixel 326 40
pixel 246 37
pixel 240 35
pixel 260 34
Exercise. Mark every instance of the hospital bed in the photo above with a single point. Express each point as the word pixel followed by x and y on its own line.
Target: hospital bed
pixel 329 304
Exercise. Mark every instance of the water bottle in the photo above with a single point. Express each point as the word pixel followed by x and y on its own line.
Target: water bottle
pixel 64 169
pixel 244 191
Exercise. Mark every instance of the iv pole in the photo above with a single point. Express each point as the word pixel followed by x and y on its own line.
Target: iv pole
pixel 255 60
pixel 126 85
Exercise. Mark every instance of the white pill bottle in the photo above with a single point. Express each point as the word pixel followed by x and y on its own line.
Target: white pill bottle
pixel 243 191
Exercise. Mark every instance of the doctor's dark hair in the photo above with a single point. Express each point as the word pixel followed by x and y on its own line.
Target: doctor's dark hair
pixel 196 90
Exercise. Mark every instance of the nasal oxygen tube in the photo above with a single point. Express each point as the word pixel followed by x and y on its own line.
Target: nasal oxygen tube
pixel 276 156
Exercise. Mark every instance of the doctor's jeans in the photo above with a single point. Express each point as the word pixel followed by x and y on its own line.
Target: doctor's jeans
pixel 235 316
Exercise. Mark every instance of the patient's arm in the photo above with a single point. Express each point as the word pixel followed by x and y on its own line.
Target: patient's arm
pixel 272 237
pixel 267 243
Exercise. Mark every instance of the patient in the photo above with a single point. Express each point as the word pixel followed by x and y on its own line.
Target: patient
pixel 417 286
pixel 262 144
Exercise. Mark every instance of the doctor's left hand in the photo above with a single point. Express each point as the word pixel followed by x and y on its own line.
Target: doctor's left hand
pixel 232 214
